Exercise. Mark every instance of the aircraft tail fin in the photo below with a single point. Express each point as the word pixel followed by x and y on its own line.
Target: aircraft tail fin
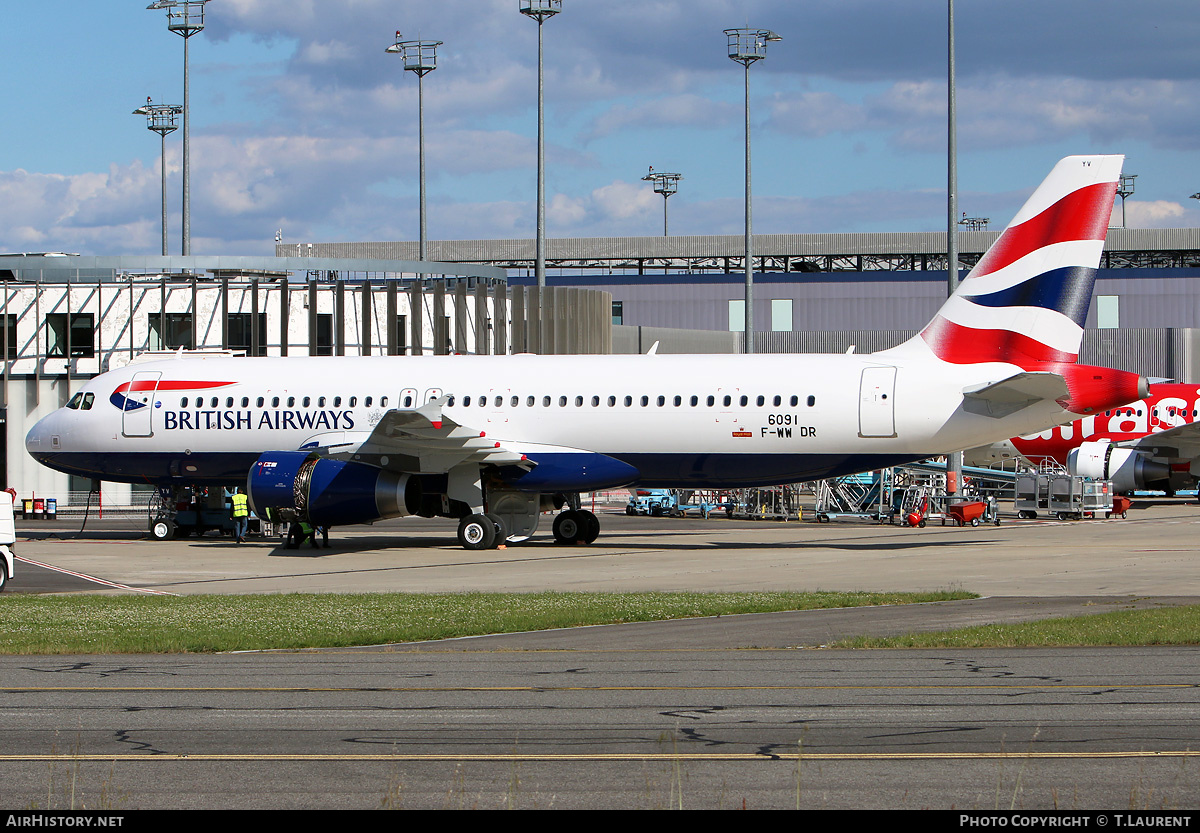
pixel 1026 301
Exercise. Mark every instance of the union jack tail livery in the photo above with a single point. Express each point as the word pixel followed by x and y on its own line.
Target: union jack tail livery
pixel 1026 300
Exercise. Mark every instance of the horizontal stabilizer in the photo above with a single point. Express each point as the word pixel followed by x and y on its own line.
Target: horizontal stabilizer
pixel 999 399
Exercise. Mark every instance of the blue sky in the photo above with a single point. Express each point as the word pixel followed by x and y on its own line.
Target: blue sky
pixel 301 122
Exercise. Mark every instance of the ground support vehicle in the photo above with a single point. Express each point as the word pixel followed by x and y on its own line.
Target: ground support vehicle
pixel 862 497
pixel 777 503
pixel 1032 494
pixel 8 537
pixel 973 512
pixel 186 510
pixel 652 502
pixel 1120 506
pixel 1073 497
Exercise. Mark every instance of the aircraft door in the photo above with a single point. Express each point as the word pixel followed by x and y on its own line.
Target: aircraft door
pixel 876 402
pixel 137 412
pixel 408 399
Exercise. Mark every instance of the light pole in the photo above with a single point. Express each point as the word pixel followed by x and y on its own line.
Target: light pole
pixel 185 18
pixel 541 10
pixel 420 57
pixel 665 184
pixel 162 119
pixel 1125 189
pixel 747 46
pixel 954 461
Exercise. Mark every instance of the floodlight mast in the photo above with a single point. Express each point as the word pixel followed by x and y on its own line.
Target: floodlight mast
pixel 541 11
pixel 748 46
pixel 185 18
pixel 162 119
pixel 420 58
pixel 1125 189
pixel 665 184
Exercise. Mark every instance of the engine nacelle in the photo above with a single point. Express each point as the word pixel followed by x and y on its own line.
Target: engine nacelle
pixel 297 485
pixel 1126 468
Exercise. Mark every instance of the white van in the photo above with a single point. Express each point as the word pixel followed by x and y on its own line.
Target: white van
pixel 8 537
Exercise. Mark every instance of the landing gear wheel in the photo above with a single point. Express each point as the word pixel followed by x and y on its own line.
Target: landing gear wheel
pixel 576 527
pixel 476 532
pixel 162 528
pixel 591 526
pixel 501 529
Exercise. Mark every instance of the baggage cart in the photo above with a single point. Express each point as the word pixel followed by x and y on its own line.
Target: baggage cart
pixel 1032 494
pixel 1120 506
pixel 973 512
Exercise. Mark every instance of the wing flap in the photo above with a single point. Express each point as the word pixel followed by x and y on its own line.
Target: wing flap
pixel 426 441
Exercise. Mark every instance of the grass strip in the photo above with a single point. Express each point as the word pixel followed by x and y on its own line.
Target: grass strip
pixel 1159 626
pixel 166 624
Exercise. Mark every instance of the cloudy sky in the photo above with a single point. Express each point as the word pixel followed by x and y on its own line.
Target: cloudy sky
pixel 301 121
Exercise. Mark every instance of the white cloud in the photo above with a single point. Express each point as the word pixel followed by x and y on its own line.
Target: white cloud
pixel 1154 214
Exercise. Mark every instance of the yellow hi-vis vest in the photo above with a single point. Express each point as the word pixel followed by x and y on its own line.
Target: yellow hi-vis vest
pixel 240 506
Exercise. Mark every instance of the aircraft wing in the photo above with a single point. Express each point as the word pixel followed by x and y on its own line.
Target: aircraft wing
pixel 999 399
pixel 426 441
pixel 1182 441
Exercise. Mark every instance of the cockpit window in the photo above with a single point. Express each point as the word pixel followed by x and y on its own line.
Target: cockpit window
pixel 88 399
pixel 74 403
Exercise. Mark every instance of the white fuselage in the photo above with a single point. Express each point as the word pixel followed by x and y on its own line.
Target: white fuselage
pixel 679 420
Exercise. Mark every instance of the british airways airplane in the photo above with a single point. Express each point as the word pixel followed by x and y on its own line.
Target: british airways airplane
pixel 494 441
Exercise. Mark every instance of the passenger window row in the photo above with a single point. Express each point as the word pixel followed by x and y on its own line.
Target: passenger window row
pixel 291 401
pixel 677 401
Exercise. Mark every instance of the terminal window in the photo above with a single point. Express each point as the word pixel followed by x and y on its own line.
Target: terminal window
pixel 324 339
pixel 401 344
pixel 13 351
pixel 173 333
pixel 78 335
pixel 242 338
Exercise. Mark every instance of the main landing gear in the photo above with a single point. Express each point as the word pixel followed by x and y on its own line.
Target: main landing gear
pixel 576 526
pixel 487 531
pixel 508 516
pixel 482 531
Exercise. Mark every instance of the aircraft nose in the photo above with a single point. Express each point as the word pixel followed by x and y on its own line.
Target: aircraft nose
pixel 44 437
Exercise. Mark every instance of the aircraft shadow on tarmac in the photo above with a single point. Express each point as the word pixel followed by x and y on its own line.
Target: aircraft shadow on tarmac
pixel 359 544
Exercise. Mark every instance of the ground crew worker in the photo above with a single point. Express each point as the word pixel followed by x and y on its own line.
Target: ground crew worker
pixel 241 515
